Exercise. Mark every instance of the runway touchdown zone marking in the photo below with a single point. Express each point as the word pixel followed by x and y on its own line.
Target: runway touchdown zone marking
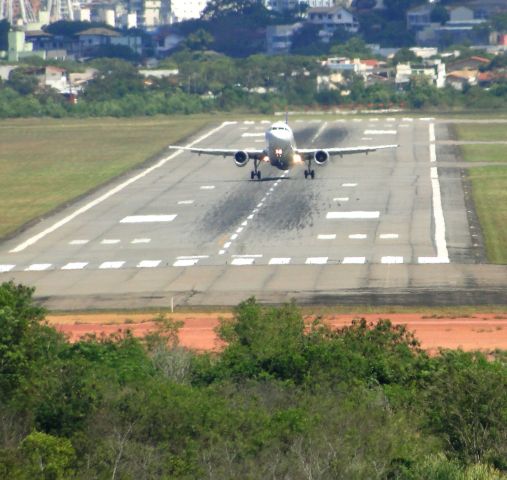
pixel 75 266
pixel 148 218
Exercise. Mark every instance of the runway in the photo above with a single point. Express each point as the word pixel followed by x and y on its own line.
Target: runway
pixel 389 227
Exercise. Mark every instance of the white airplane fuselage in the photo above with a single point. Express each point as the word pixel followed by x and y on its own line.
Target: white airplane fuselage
pixel 281 146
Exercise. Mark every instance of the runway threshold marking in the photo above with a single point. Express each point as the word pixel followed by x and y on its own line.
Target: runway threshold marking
pixel 354 260
pixel 149 263
pixel 113 191
pixel 391 259
pixel 316 260
pixel 279 261
pixel 111 265
pixel 6 268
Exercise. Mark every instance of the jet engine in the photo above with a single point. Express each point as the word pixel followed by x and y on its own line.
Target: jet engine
pixel 321 157
pixel 241 158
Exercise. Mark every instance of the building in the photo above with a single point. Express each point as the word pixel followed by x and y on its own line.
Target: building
pixel 472 63
pixel 187 9
pixel 279 38
pixel 419 18
pixel 332 18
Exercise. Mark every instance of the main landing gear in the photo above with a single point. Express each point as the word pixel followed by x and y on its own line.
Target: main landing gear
pixel 309 172
pixel 255 172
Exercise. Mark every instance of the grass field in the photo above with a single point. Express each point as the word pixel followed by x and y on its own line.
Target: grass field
pixel 45 163
pixel 489 185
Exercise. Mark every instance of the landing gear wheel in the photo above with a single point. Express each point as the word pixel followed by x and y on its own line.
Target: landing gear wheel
pixel 258 175
pixel 312 174
pixel 252 175
pixel 306 173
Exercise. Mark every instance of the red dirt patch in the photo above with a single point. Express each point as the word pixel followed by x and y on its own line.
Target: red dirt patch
pixel 481 331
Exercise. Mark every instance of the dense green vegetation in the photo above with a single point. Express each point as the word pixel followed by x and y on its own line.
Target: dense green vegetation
pixel 280 401
pixel 210 82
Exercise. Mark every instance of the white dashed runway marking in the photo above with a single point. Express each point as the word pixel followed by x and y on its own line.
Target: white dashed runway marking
pixel 78 242
pixel 148 263
pixel 110 241
pixel 331 236
pixel 388 236
pixel 140 240
pixel 356 215
pixel 354 260
pixel 341 199
pixel 185 202
pixel 391 260
pixel 279 261
pixel 349 185
pixel 358 236
pixel 316 260
pixel 189 262
pixel 380 132
pixel 432 260
pixel 75 266
pixel 207 187
pixel 247 134
pixel 111 265
pixel 148 218
pixel 6 268
pixel 242 261
pixel 37 267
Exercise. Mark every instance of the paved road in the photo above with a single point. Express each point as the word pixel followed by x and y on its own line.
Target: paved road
pixel 390 227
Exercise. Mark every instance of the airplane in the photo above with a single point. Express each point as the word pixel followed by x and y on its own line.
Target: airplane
pixel 281 152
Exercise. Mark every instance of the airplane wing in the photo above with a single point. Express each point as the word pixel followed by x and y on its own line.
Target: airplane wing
pixel 344 150
pixel 222 152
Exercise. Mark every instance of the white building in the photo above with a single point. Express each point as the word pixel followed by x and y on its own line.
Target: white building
pixel 187 9
pixel 331 18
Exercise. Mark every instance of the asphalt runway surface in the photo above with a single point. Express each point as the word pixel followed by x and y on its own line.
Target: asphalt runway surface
pixel 391 227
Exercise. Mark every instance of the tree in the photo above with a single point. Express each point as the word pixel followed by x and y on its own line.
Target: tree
pixel 405 55
pixel 46 457
pixel 23 81
pixel 466 404
pixel 199 40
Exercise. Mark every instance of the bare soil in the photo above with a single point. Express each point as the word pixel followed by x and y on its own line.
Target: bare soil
pixel 478 331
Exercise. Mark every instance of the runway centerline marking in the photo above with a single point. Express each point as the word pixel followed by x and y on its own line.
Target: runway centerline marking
pixel 349 185
pixel 207 187
pixel 185 202
pixel 148 218
pixel 6 268
pixel 75 266
pixel 386 236
pixel 330 236
pixel 341 199
pixel 113 191
pixel 110 241
pixel 355 215
pixel 78 242
pixel 358 236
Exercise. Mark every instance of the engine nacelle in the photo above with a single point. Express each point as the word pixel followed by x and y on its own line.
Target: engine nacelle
pixel 321 157
pixel 241 158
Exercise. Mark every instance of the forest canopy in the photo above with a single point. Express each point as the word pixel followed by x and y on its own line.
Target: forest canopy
pixel 282 399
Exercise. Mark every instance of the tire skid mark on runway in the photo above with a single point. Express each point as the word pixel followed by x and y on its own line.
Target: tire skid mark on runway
pixel 239 230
